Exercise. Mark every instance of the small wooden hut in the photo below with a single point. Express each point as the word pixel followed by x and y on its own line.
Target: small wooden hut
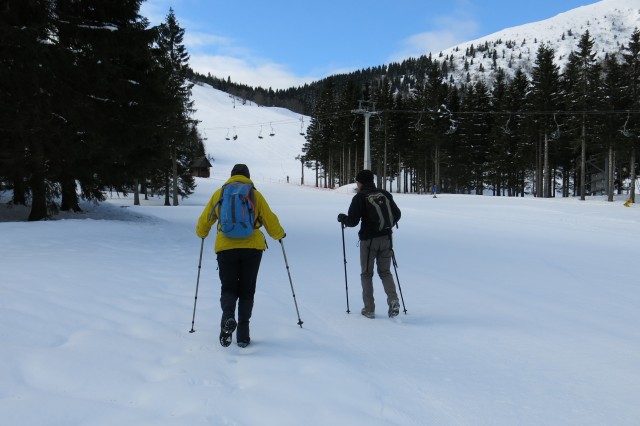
pixel 200 167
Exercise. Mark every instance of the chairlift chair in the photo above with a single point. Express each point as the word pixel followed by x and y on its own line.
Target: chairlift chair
pixel 379 124
pixel 302 126
pixel 418 125
pixel 505 128
pixel 626 132
pixel 453 127
pixel 555 135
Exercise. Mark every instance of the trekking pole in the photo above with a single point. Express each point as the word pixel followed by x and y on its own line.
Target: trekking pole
pixel 344 255
pixel 291 282
pixel 197 285
pixel 395 267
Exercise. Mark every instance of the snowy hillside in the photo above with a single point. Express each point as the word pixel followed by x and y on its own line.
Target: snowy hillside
pixel 610 24
pixel 520 311
pixel 238 132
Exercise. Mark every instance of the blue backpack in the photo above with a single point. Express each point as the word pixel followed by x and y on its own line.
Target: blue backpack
pixel 236 216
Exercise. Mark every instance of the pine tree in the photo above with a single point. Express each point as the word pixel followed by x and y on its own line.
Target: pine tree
pixel 105 52
pixel 615 98
pixel 584 94
pixel 174 178
pixel 382 140
pixel 27 117
pixel 632 76
pixel 500 135
pixel 24 25
pixel 321 133
pixel 544 99
pixel 474 135
pixel 519 146
pixel 349 130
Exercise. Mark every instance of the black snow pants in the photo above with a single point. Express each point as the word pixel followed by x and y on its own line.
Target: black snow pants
pixel 238 270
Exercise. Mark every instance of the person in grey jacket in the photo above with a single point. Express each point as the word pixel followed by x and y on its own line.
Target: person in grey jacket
pixel 375 245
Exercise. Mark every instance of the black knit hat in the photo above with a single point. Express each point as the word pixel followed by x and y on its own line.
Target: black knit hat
pixel 364 176
pixel 240 169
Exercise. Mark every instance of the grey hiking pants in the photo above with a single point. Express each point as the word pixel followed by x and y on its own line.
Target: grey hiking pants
pixel 376 250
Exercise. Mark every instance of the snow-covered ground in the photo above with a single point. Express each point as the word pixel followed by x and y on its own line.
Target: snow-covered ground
pixel 520 311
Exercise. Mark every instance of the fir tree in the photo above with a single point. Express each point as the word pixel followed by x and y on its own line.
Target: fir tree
pixel 544 99
pixel 26 115
pixel 174 178
pixel 583 76
pixel 631 70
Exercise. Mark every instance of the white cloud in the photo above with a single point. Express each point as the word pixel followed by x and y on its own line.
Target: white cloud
pixel 194 40
pixel 248 71
pixel 435 41
pixel 448 31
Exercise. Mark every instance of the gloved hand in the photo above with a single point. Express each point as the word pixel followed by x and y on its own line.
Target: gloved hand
pixel 342 218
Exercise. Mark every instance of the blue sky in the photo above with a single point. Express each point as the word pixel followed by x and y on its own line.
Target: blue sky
pixel 285 43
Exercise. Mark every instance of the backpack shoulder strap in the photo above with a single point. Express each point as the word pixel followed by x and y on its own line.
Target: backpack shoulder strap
pixel 215 206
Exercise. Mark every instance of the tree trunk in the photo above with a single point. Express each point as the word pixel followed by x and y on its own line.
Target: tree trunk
pixel 302 172
pixel 583 162
pixel 399 174
pixel 632 174
pixel 539 190
pixel 436 166
pixel 610 170
pixel 167 188
pixel 175 176
pixel 316 169
pixel 144 189
pixel 406 181
pixel 37 183
pixel 545 169
pixel 136 192
pixel 69 195
pixel 384 161
pixel 19 190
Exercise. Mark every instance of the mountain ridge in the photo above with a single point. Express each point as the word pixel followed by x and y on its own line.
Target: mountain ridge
pixel 610 24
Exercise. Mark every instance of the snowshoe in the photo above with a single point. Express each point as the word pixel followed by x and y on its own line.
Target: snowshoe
pixel 394 309
pixel 226 331
pixel 368 314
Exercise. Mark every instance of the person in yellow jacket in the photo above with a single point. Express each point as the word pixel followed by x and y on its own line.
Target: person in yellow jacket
pixel 239 259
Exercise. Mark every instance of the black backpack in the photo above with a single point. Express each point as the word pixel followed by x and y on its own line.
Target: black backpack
pixel 378 211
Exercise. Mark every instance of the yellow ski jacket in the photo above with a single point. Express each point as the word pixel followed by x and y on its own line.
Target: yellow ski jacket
pixel 264 216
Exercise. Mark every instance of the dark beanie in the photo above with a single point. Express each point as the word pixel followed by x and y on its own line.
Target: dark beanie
pixel 240 169
pixel 364 176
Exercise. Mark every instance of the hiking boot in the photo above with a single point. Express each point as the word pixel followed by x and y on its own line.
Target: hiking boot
pixel 368 314
pixel 243 343
pixel 226 331
pixel 242 332
pixel 394 308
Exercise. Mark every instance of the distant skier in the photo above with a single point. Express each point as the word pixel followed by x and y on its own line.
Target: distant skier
pixel 375 239
pixel 238 256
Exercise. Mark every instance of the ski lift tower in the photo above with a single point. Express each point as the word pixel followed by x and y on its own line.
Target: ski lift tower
pixel 367 109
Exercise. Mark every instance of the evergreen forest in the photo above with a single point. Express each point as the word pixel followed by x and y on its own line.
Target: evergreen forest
pixel 93 99
pixel 543 131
